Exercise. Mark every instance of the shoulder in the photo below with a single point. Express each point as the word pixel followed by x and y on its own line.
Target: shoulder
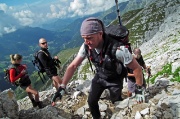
pixel 41 53
pixel 82 50
pixel 12 66
pixel 123 54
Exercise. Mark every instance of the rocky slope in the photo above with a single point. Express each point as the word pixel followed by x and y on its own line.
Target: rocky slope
pixel 162 98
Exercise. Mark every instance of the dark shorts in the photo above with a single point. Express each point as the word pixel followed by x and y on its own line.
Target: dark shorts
pixel 52 72
pixel 26 82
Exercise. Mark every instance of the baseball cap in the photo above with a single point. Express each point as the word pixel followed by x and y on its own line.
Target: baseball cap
pixel 90 26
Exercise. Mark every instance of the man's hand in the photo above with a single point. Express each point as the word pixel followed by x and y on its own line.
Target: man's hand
pixel 55 57
pixel 59 94
pixel 148 71
pixel 139 94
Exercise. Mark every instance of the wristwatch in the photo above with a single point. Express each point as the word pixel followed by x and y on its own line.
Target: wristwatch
pixel 62 86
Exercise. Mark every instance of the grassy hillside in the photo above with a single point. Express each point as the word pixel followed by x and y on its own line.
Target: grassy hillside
pixel 64 55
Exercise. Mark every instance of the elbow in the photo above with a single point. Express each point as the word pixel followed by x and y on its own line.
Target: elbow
pixel 72 67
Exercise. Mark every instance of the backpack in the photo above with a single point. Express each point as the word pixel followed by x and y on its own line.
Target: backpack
pixel 119 33
pixel 7 74
pixel 38 65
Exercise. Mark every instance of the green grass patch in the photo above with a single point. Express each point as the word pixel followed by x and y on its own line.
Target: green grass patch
pixel 147 55
pixel 174 40
pixel 85 70
pixel 166 72
pixel 64 55
pixel 176 75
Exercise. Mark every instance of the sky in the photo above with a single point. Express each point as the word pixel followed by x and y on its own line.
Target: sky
pixel 16 13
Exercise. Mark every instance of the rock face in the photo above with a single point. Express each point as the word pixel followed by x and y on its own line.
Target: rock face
pixel 162 101
pixel 48 112
pixel 8 105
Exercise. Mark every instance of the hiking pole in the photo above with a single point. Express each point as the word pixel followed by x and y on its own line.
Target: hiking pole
pixel 149 74
pixel 118 12
pixel 40 77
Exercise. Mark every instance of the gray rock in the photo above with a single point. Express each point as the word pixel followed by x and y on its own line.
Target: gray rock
pixel 8 104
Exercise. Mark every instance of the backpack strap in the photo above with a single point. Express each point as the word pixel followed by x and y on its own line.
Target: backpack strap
pixel 43 52
pixel 113 53
pixel 39 73
pixel 12 66
pixel 36 56
pixel 88 56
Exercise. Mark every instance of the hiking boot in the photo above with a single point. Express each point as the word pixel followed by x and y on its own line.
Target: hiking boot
pixel 34 103
pixel 39 104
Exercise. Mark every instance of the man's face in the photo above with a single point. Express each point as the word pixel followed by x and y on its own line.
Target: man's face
pixel 43 44
pixel 137 54
pixel 93 40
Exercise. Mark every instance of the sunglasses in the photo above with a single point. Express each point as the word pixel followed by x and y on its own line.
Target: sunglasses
pixel 44 43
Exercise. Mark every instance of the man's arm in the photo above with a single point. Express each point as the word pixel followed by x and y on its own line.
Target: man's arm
pixel 74 64
pixel 126 58
pixel 137 71
pixel 130 75
pixel 71 69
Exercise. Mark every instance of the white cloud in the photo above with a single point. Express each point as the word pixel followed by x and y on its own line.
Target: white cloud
pixel 26 17
pixel 53 8
pixel 41 11
pixel 7 23
pixel 3 7
pixel 87 7
pixel 57 11
pixel 9 29
pixel 77 7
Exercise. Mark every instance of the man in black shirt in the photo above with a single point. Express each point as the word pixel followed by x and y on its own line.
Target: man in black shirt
pixel 131 78
pixel 49 63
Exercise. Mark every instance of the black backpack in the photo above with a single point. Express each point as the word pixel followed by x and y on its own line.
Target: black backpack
pixel 119 33
pixel 7 74
pixel 38 65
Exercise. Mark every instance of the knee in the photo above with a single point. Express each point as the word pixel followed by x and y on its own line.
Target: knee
pixel 36 93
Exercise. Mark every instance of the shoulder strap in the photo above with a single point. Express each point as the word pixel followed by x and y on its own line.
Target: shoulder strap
pixel 88 56
pixel 12 66
pixel 42 51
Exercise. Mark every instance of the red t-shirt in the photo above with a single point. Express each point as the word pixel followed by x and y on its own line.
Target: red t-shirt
pixel 12 73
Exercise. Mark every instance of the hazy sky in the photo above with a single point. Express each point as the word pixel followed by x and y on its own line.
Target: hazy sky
pixel 15 13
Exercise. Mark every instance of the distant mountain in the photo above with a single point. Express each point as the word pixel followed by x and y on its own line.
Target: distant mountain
pixel 23 40
pixel 58 25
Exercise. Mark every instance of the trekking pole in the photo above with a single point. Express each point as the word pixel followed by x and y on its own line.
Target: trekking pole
pixel 118 12
pixel 149 74
pixel 40 77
